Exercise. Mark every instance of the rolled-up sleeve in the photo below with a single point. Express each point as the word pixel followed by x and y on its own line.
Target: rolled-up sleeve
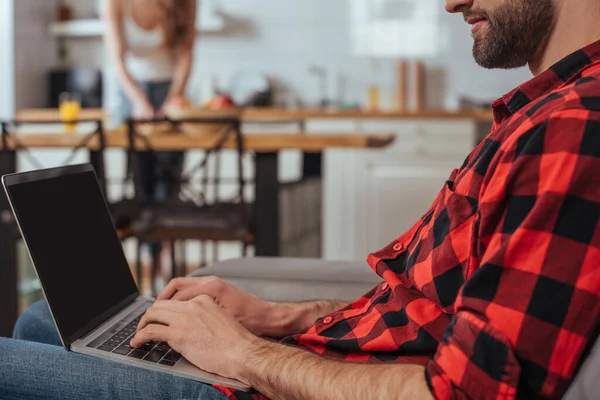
pixel 473 362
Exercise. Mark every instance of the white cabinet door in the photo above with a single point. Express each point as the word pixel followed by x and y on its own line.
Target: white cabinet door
pixel 373 196
pixel 396 196
pixel 369 202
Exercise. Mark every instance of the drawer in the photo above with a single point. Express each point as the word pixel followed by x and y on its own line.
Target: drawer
pixel 427 137
pixel 417 159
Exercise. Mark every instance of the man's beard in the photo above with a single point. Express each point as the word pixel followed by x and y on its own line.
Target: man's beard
pixel 514 33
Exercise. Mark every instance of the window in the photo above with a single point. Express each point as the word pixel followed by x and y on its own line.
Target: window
pixel 395 28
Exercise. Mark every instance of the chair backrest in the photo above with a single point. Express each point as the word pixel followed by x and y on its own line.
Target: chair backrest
pixel 96 137
pixel 201 183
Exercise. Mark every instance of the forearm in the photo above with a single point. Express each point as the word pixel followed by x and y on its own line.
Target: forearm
pixel 283 372
pixel 292 318
pixel 181 73
pixel 129 86
pixel 184 54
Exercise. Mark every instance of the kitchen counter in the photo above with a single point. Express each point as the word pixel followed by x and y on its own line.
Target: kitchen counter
pixel 259 114
pixel 278 114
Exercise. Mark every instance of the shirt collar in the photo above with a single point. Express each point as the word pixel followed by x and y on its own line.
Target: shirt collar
pixel 558 75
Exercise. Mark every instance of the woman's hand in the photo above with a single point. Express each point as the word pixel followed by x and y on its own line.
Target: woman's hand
pixel 172 103
pixel 142 109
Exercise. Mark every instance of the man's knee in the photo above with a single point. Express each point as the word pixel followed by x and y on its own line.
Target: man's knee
pixel 36 325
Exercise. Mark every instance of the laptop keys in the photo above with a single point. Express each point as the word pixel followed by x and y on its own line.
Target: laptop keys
pixel 172 356
pixel 154 356
pixel 126 344
pixel 156 352
pixel 146 347
pixel 122 350
pixel 163 346
pixel 137 354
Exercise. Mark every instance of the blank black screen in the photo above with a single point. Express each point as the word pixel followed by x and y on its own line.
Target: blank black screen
pixel 74 247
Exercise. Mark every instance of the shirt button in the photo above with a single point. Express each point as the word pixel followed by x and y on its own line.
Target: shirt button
pixel 384 286
pixel 397 247
pixel 327 320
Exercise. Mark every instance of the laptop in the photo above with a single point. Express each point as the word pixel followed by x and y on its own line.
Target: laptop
pixel 85 277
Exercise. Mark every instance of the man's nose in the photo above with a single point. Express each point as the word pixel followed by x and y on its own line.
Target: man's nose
pixel 455 6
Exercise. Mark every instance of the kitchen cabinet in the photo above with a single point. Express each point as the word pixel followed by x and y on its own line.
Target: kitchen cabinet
pixel 373 196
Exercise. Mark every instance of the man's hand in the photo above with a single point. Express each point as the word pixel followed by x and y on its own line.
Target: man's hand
pixel 250 311
pixel 210 338
pixel 263 318
pixel 214 341
pixel 201 331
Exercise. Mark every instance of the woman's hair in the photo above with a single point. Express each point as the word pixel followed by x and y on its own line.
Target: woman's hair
pixel 175 21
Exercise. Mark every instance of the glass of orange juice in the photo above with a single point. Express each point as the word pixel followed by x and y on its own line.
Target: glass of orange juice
pixel 69 108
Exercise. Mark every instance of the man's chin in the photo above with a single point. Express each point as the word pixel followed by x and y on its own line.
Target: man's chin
pixel 487 62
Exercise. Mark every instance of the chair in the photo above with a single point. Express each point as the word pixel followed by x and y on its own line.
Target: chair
pixel 96 151
pixel 190 213
pixel 586 385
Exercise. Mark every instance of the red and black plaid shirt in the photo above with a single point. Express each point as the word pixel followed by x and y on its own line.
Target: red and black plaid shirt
pixel 496 289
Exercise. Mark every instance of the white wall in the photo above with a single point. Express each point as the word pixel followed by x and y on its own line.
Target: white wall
pixel 7 61
pixel 35 51
pixel 284 37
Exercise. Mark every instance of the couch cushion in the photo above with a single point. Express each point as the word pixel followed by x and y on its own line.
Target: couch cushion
pixel 586 385
pixel 296 279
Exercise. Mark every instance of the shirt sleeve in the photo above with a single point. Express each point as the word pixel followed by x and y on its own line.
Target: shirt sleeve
pixel 526 316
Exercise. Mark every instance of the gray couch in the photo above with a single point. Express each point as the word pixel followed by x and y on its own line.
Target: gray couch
pixel 297 279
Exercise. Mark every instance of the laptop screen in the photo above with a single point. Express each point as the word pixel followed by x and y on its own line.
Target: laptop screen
pixel 73 244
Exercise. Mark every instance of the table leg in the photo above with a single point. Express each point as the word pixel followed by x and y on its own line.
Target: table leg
pixel 98 164
pixel 312 164
pixel 266 207
pixel 8 252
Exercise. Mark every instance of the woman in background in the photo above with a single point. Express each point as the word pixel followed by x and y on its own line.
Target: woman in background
pixel 150 43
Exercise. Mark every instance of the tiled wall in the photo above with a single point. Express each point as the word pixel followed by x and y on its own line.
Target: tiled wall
pixel 284 37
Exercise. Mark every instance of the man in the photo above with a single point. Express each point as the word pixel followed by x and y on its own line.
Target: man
pixel 494 293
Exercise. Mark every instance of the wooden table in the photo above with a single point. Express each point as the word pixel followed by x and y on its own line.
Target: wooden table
pixel 312 142
pixel 265 146
pixel 277 114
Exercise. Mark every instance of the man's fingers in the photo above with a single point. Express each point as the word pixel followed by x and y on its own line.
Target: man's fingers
pixel 209 285
pixel 151 333
pixel 161 312
pixel 173 287
pixel 185 294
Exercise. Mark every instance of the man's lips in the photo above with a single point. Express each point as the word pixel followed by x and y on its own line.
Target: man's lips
pixel 477 23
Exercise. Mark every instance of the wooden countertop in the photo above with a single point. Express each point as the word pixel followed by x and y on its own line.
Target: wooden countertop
pixel 182 141
pixel 52 115
pixel 258 114
pixel 271 115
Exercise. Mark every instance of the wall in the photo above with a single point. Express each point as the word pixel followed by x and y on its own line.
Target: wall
pixel 35 51
pixel 7 62
pixel 283 38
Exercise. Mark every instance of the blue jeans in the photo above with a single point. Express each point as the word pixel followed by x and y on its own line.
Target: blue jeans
pixel 157 184
pixel 36 366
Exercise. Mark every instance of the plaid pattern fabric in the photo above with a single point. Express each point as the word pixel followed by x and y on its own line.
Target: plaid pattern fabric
pixel 496 288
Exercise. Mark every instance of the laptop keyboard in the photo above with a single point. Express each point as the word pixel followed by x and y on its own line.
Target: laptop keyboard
pixel 156 352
